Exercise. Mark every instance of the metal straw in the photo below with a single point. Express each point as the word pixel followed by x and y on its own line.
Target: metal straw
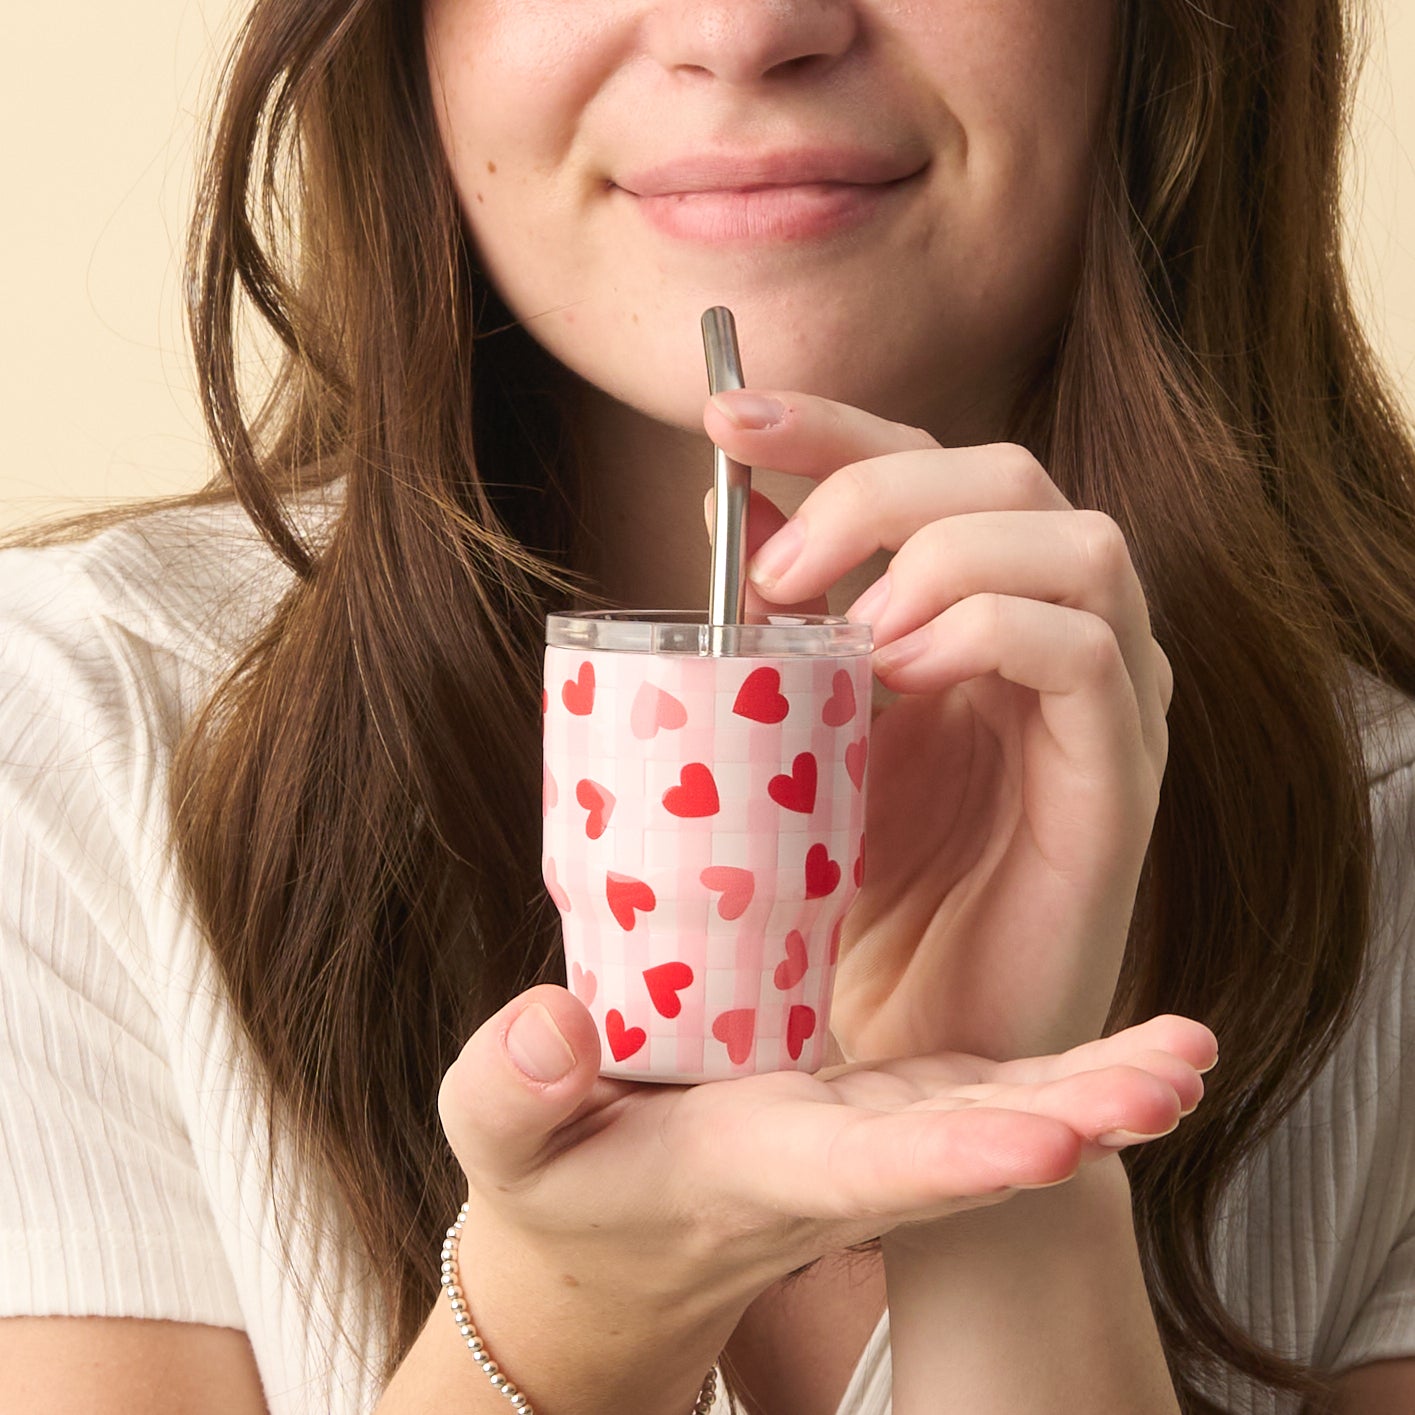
pixel 732 482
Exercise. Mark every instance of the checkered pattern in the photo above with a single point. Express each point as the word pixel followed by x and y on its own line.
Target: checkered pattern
pixel 739 1000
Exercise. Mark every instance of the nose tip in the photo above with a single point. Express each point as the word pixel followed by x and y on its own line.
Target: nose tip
pixel 742 41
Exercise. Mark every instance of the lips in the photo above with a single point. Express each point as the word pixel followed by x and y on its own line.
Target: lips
pixel 801 194
pixel 801 167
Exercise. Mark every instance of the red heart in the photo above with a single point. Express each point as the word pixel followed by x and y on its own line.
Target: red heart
pixel 625 894
pixel 822 873
pixel 599 802
pixel 654 709
pixel 665 982
pixel 800 1025
pixel 792 968
pixel 860 865
pixel 550 793
pixel 855 755
pixel 840 707
pixel 696 793
pixel 623 1041
pixel 578 693
pixel 552 885
pixel 736 1030
pixel 583 984
pixel 796 792
pixel 737 886
pixel 760 697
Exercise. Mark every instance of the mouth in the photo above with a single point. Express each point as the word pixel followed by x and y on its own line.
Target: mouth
pixel 784 196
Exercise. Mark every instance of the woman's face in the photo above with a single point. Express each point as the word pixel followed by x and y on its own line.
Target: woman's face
pixel 889 194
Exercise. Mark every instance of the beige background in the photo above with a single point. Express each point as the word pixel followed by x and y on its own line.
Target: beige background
pixel 99 111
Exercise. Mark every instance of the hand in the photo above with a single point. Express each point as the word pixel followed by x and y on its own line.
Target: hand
pixel 708 1194
pixel 1012 788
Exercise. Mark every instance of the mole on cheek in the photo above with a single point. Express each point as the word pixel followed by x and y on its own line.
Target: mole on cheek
pixel 491 167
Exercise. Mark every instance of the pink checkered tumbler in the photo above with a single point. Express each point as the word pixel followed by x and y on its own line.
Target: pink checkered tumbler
pixel 704 803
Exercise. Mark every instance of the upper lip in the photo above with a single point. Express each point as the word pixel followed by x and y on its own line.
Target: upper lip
pixel 726 171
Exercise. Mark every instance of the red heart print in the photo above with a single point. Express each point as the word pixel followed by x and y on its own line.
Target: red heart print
pixel 800 1027
pixel 625 894
pixel 578 692
pixel 583 983
pixel 760 697
pixel 736 1030
pixel 840 707
pixel 792 968
pixel 654 711
pixel 860 865
pixel 737 886
pixel 599 802
pixel 665 982
pixel 796 792
pixel 550 793
pixel 623 1041
pixel 695 794
pixel 855 755
pixel 552 885
pixel 822 873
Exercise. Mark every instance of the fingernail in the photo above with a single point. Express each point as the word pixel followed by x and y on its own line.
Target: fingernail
pixel 538 1047
pixel 1119 1139
pixel 750 411
pixel 901 651
pixel 1204 1070
pixel 775 558
pixel 866 609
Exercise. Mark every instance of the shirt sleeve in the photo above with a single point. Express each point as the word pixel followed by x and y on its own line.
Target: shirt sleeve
pixel 102 1209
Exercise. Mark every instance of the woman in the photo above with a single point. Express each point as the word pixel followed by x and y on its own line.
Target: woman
pixel 1051 363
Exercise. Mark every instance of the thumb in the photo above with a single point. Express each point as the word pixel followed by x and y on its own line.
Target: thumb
pixel 524 1072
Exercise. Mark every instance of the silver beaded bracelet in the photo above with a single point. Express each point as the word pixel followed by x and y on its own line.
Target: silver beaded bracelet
pixel 518 1398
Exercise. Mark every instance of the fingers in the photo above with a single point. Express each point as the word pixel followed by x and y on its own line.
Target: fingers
pixel 802 434
pixel 1076 559
pixel 522 1074
pixel 1183 1038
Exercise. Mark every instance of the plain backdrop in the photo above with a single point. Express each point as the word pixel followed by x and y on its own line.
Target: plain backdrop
pixel 101 107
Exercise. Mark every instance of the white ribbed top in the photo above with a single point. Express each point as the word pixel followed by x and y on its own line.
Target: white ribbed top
pixel 132 1147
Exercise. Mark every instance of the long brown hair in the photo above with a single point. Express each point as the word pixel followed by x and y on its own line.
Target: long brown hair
pixel 357 809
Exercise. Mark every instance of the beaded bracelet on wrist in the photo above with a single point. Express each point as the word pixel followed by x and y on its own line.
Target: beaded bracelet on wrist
pixel 517 1398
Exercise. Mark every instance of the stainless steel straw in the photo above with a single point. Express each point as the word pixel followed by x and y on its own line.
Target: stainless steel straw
pixel 732 482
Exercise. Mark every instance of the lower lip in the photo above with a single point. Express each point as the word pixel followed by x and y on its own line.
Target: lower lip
pixel 766 213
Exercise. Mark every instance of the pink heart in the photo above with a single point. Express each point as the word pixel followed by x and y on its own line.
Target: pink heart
pixel 800 1026
pixel 792 968
pixel 599 802
pixel 578 692
pixel 841 706
pixel 625 894
pixel 855 755
pixel 736 1030
pixel 664 983
pixel 737 886
pixel 655 710
pixel 552 885
pixel 583 983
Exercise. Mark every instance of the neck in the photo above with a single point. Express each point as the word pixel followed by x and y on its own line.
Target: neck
pixel 646 537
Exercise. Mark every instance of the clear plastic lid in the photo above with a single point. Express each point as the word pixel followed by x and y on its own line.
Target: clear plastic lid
pixel 687 631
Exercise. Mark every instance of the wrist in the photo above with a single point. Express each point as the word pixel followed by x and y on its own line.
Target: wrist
pixel 571 1330
pixel 1096 1197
